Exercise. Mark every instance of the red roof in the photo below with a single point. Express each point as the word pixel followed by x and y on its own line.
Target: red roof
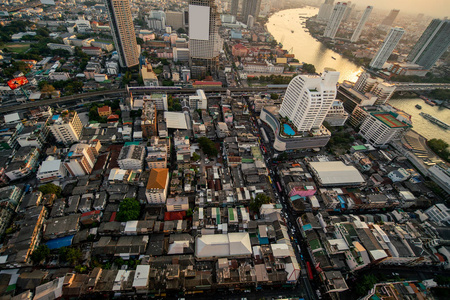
pixel 113 117
pixel 239 46
pixel 92 212
pixel 174 215
pixel 440 256
pixel 104 109
pixel 113 217
pixel 207 83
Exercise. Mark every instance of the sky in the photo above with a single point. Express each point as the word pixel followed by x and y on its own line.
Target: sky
pixel 434 8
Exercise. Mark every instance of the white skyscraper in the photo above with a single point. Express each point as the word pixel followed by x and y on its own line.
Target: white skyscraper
pixel 361 24
pixel 335 20
pixel 389 43
pixel 205 42
pixel 308 99
pixel 348 11
pixel 325 11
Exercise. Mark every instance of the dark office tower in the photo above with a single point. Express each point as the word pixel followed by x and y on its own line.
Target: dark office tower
pixel 234 7
pixel 205 42
pixel 122 28
pixel 432 44
pixel 250 8
pixel 389 20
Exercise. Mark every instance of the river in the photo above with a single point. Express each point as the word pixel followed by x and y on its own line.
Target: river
pixel 307 49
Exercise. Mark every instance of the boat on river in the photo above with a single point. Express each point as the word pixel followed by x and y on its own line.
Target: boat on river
pixel 434 120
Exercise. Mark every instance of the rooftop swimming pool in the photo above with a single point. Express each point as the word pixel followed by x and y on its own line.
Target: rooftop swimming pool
pixel 288 129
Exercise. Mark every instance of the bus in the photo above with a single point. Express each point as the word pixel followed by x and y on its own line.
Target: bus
pixel 279 186
pixel 308 266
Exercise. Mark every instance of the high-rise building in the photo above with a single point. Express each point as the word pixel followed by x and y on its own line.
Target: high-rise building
pixel 175 19
pixel 348 11
pixel 250 7
pixel 389 20
pixel 325 11
pixel 388 45
pixel 122 28
pixel 361 24
pixel 376 87
pixel 335 20
pixel 205 42
pixel 308 99
pixel 156 20
pixel 380 128
pixel 250 21
pixel 66 128
pixel 432 44
pixel 234 7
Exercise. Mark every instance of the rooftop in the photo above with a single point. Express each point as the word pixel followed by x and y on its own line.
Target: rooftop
pixel 389 119
pixel 157 179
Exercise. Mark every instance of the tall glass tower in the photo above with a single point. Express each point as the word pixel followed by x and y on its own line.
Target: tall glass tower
pixel 335 20
pixel 432 44
pixel 361 24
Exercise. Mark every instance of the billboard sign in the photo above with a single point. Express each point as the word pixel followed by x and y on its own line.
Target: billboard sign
pixel 17 82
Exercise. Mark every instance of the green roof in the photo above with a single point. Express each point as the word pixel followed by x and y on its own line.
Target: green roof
pixel 389 119
pixel 132 143
pixel 315 244
pixel 359 147
pixel 231 214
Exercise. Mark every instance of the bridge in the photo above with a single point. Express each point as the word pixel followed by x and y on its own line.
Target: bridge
pixel 134 90
pixel 417 87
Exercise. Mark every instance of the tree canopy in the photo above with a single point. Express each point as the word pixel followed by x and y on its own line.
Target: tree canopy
pixel 40 253
pixel 50 188
pixel 440 147
pixel 129 209
pixel 310 68
pixel 208 147
pixel 260 199
pixel 70 255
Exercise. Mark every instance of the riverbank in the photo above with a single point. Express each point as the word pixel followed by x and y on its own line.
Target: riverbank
pixel 310 25
pixel 287 27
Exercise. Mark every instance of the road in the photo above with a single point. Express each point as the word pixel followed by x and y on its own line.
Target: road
pixel 306 288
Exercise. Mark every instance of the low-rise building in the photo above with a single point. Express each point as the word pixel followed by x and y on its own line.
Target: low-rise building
pixel 131 157
pixel 157 185
pixel 51 169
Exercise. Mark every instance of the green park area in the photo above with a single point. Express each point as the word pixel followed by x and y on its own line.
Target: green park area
pixel 17 47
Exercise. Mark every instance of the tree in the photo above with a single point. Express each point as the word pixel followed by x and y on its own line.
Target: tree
pixel 208 147
pixel 440 147
pixel 274 96
pixel 181 30
pixel 47 88
pixel 260 199
pixel 129 209
pixel 195 156
pixel 40 253
pixel 50 188
pixel 70 255
pixel 310 68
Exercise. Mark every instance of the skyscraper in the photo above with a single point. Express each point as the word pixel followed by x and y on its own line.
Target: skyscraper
pixel 361 24
pixel 325 11
pixel 335 20
pixel 234 7
pixel 308 99
pixel 432 44
pixel 205 42
pixel 348 11
pixel 389 20
pixel 250 7
pixel 122 28
pixel 388 45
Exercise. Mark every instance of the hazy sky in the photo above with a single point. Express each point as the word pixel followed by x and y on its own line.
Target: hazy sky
pixel 435 8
